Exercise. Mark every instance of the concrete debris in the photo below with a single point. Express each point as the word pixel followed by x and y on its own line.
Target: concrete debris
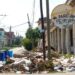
pixel 18 72
pixel 30 63
pixel 64 64
pixel 19 63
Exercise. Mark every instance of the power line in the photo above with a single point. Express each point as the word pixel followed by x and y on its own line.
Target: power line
pixel 3 16
pixel 19 24
pixel 15 25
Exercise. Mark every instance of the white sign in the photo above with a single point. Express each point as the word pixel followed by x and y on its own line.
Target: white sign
pixel 63 21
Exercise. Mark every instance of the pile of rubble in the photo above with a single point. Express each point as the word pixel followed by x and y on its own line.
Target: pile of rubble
pixel 64 64
pixel 30 62
pixel 23 63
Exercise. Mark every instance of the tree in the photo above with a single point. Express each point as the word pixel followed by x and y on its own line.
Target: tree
pixel 33 35
pixel 18 40
pixel 27 44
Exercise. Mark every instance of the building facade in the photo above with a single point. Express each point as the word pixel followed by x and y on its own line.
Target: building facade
pixel 2 33
pixel 10 38
pixel 63 40
pixel 6 38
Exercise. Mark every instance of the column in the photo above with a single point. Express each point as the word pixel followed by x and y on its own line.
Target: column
pixel 55 39
pixel 52 38
pixel 46 40
pixel 74 38
pixel 67 40
pixel 59 40
pixel 62 40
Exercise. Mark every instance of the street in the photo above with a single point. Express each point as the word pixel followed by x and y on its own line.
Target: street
pixel 18 50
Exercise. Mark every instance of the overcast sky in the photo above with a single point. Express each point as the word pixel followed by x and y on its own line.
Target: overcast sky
pixel 16 13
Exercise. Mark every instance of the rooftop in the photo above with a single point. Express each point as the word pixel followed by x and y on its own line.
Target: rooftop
pixel 1 29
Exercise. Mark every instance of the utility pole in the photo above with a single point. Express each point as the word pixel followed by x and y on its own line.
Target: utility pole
pixel 10 36
pixel 30 28
pixel 43 29
pixel 48 29
pixel 28 21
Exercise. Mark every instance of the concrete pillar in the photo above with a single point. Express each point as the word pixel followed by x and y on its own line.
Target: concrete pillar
pixel 52 39
pixel 67 40
pixel 46 41
pixel 74 38
pixel 55 37
pixel 62 40
pixel 59 40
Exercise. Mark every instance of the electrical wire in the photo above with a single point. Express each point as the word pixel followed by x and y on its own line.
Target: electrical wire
pixel 15 25
pixel 19 24
pixel 2 18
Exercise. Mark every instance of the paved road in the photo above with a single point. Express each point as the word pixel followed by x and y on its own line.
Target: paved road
pixel 18 50
pixel 69 73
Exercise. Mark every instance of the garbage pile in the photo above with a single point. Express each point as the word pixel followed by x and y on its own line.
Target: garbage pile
pixel 24 63
pixel 64 64
pixel 32 62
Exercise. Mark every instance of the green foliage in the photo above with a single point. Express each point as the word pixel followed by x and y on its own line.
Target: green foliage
pixel 5 48
pixel 29 33
pixel 18 41
pixel 46 65
pixel 49 65
pixel 68 55
pixel 33 35
pixel 55 54
pixel 27 44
